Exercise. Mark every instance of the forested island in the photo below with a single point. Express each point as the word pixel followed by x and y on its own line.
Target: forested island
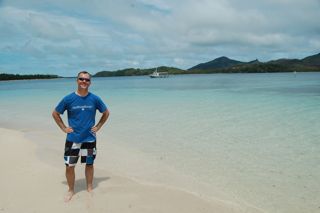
pixel 219 65
pixel 226 65
pixel 137 72
pixel 7 77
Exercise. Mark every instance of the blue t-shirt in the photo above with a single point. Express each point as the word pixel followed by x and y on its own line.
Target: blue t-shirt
pixel 81 115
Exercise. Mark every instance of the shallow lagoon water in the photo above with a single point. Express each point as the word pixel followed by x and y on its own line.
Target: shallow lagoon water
pixel 251 139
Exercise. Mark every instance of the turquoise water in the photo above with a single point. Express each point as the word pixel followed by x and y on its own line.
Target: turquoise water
pixel 252 139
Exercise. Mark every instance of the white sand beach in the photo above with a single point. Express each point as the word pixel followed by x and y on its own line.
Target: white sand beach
pixel 28 184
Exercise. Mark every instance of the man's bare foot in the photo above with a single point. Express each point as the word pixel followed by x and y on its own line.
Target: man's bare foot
pixel 90 188
pixel 68 196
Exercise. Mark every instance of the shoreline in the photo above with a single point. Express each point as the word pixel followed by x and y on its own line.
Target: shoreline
pixel 34 181
pixel 214 73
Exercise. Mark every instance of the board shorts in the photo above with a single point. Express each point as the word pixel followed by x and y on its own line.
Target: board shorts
pixel 72 151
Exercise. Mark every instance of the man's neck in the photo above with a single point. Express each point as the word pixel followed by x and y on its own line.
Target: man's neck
pixel 82 92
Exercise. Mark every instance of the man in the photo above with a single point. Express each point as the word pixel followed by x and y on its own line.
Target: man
pixel 81 132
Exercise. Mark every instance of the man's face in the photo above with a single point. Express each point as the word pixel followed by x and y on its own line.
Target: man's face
pixel 84 81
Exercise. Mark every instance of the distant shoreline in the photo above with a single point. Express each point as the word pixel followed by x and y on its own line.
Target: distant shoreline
pixel 30 79
pixel 176 74
pixel 9 77
pixel 200 73
pixel 220 65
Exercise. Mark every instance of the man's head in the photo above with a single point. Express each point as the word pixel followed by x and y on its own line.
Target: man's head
pixel 84 80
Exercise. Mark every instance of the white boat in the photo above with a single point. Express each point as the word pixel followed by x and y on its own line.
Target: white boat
pixel 157 74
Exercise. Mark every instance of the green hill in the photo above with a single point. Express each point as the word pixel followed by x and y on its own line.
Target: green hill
pixel 313 60
pixel 226 65
pixel 218 63
pixel 137 72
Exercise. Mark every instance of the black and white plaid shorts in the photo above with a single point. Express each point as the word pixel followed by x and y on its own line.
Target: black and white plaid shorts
pixel 72 151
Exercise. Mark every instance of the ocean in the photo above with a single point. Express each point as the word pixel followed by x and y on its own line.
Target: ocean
pixel 249 139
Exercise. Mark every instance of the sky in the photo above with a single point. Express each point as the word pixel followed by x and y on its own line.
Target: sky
pixel 64 37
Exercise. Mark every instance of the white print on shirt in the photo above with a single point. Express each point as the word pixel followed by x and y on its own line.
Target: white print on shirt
pixel 82 107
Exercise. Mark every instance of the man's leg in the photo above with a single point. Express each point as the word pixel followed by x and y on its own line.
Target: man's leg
pixel 70 175
pixel 89 177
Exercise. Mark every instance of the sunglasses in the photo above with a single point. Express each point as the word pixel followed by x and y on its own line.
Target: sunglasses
pixel 84 79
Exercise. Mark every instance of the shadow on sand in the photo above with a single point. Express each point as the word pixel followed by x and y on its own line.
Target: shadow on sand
pixel 81 184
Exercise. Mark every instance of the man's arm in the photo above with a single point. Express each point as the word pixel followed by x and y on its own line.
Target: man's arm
pixel 56 116
pixel 103 119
